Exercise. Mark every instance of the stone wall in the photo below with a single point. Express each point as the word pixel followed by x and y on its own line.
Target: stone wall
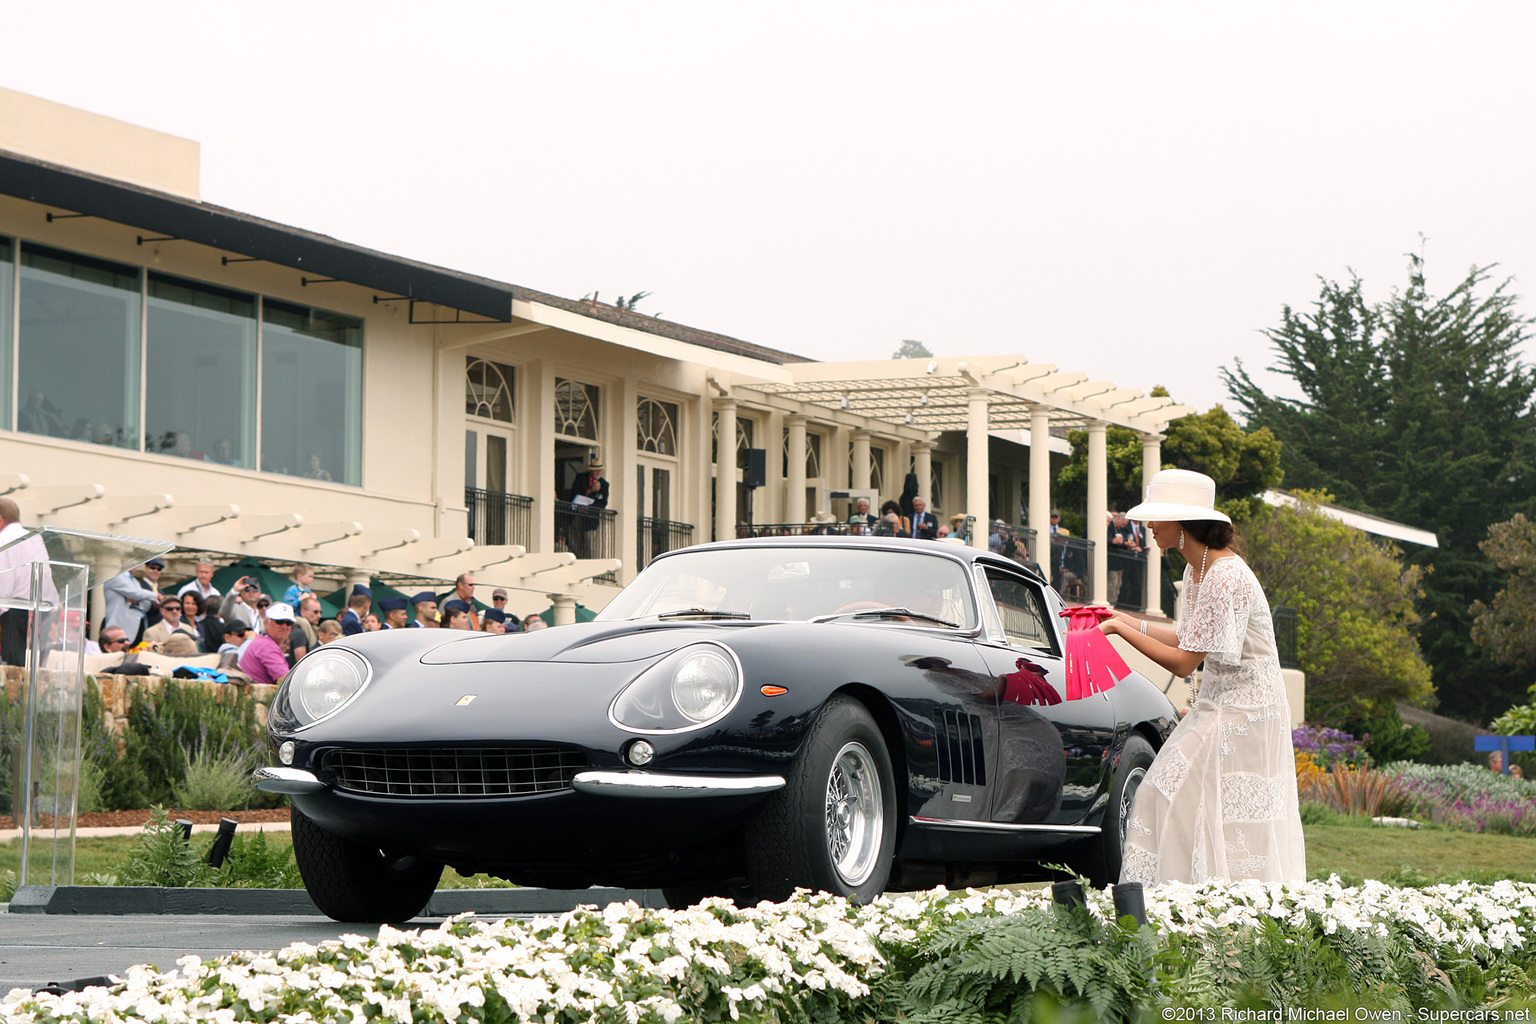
pixel 117 693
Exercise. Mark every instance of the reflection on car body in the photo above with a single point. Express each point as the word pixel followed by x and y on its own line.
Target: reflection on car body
pixel 844 714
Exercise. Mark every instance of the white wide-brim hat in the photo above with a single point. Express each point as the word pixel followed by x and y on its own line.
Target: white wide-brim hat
pixel 1179 495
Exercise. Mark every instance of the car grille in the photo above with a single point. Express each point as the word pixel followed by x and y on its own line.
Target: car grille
pixel 454 771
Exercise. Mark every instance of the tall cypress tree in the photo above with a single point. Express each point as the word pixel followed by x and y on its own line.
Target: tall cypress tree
pixel 1418 409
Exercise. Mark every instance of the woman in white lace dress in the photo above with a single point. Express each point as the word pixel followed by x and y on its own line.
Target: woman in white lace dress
pixel 1220 800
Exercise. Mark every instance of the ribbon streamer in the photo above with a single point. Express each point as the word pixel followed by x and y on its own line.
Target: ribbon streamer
pixel 1093 664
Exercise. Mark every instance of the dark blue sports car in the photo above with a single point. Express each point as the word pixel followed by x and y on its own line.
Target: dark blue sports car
pixel 844 714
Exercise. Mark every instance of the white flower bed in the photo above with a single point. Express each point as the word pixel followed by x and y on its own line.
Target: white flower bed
pixel 626 964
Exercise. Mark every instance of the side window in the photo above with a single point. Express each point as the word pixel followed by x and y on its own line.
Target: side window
pixel 1022 611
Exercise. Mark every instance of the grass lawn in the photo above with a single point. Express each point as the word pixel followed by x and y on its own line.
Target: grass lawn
pixel 1351 847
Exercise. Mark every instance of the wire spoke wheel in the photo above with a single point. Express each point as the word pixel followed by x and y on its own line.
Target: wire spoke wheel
pixel 854 819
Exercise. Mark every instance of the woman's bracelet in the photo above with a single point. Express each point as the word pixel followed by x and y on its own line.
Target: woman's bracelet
pixel 1144 626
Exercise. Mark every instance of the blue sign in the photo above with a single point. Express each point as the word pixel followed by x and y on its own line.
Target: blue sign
pixel 1504 744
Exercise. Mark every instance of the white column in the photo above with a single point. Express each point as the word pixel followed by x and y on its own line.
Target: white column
pixel 858 475
pixel 1098 506
pixel 773 478
pixel 624 494
pixel 725 470
pixel 565 609
pixel 1040 481
pixel 1151 462
pixel 794 486
pixel 539 454
pixel 922 465
pixel 976 466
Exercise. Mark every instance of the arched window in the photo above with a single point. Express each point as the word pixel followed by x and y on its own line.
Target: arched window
pixel 488 390
pixel 576 409
pixel 656 426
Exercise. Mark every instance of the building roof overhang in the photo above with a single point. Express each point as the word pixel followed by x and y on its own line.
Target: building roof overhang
pixel 934 395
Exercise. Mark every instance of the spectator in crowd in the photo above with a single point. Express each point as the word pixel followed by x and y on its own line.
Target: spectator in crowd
pixel 493 621
pixel 533 623
pixel 891 522
pixel 202 583
pixel 860 521
pixel 317 471
pixel 263 659
pixel 822 523
pixel 371 623
pixel 329 630
pixel 303 583
pixel 499 599
pixel 263 602
pixel 456 614
pixel 425 604
pixel 358 604
pixel 1124 541
pixel 178 644
pixel 309 620
pixel 1063 578
pixel 588 494
pixel 16 584
pixel 40 416
pixel 240 602
pixel 210 628
pixel 171 622
pixel 113 640
pixel 943 532
pixel 996 537
pixel 223 453
pixel 925 525
pixel 464 590
pixel 236 635
pixel 957 527
pixel 395 612
pixel 130 597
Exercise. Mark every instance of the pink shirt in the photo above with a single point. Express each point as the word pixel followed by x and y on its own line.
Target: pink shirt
pixel 263 660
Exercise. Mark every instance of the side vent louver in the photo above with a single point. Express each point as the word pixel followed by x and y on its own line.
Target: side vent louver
pixel 957 738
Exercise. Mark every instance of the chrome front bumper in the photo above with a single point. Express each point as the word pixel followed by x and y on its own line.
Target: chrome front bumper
pixel 285 780
pixel 648 784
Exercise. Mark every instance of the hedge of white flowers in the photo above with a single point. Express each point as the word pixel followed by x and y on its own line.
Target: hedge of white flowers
pixel 814 957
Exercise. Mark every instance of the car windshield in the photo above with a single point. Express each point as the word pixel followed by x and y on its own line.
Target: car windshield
pixel 798 583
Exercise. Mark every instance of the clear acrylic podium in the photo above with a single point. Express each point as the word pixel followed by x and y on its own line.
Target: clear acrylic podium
pixel 45 575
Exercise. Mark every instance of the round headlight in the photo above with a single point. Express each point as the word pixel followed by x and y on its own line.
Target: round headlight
pixel 704 684
pixel 328 679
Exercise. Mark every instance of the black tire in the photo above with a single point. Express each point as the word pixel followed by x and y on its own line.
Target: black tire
pixel 352 882
pixel 832 828
pixel 1101 857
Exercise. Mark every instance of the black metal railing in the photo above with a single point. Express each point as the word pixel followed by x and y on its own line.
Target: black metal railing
pixel 1072 568
pixel 1127 577
pixel 1284 618
pixel 496 517
pixel 658 536
pixel 588 532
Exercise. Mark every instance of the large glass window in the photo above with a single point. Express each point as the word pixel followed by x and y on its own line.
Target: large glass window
pixel 79 347
pixel 201 382
pixel 311 393
pixel 7 281
pixel 656 423
pixel 488 390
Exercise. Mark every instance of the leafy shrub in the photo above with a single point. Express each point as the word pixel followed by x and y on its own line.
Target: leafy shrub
pixel 162 855
pixel 1387 738
pixel 7 885
pixel 1358 791
pixel 169 727
pixel 1469 798
pixel 253 863
pixel 214 782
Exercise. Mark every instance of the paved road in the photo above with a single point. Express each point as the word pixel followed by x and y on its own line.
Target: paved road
pixel 36 949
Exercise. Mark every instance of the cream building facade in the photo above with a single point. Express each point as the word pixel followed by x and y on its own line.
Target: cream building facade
pixel 178 371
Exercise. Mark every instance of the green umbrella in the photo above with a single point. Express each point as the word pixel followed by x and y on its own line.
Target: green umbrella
pixel 273 584
pixel 583 614
pixel 380 592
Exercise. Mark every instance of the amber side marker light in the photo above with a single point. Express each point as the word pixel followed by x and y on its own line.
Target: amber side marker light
pixel 774 691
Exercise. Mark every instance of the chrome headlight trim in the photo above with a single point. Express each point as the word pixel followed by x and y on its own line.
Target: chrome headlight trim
pixel 661 676
pixel 292 688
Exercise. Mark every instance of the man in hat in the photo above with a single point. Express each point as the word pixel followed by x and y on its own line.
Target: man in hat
pixel 426 609
pixel 263 659
pixel 357 606
pixel 588 494
pixel 394 609
pixel 130 597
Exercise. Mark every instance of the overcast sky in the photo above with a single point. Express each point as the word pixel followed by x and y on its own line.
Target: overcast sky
pixel 1132 190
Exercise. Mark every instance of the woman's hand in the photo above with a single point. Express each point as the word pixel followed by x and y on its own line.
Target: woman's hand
pixel 1120 623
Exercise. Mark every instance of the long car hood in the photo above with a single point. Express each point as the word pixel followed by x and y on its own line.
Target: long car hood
pixel 587 642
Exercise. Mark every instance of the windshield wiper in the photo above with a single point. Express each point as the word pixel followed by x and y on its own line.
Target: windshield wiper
pixel 887 613
pixel 702 613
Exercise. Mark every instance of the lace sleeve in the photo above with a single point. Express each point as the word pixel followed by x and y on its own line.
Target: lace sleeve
pixel 1218 621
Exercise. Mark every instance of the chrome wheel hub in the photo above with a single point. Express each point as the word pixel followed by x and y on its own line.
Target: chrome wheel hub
pixel 855 823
